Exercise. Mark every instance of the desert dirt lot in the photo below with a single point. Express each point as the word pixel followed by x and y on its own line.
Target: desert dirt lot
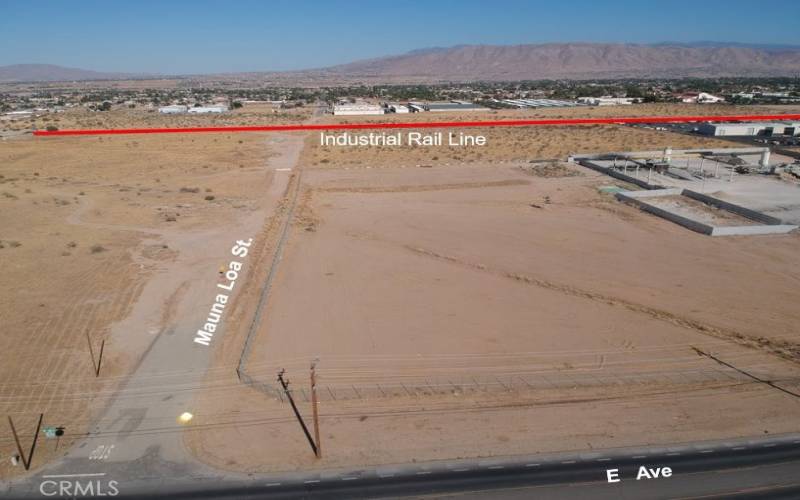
pixel 88 224
pixel 471 294
pixel 459 306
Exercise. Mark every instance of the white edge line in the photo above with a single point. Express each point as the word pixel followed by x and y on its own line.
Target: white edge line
pixel 532 465
pixel 97 474
pixel 349 478
pixel 603 459
pixel 272 484
pixel 311 481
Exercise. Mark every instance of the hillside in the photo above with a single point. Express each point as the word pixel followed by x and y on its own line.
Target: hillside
pixel 578 60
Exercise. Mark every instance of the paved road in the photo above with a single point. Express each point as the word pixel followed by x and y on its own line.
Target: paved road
pixel 746 468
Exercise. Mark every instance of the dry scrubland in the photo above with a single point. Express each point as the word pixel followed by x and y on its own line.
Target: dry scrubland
pixel 141 118
pixel 485 261
pixel 487 305
pixel 521 144
pixel 85 223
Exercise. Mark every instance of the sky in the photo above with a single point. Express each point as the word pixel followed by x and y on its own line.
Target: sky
pixel 208 36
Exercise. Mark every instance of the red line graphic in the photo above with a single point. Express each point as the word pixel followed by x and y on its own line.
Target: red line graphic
pixel 367 125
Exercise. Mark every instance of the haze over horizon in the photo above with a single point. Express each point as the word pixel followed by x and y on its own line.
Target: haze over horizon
pixel 208 36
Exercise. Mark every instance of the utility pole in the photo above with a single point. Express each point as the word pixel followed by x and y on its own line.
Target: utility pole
pixel 315 408
pixel 285 385
pixel 96 365
pixel 26 461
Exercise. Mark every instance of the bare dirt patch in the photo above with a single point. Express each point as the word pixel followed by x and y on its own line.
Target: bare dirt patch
pixel 482 301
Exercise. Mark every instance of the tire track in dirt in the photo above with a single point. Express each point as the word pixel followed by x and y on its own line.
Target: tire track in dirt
pixel 421 188
pixel 785 349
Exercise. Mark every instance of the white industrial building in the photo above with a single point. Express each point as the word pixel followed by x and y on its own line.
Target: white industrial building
pixel 700 98
pixel 607 101
pixel 175 109
pixel 208 109
pixel 399 108
pixel 357 109
pixel 538 103
pixel 766 129
pixel 441 107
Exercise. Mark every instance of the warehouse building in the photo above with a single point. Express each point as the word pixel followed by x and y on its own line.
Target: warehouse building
pixel 175 109
pixel 357 109
pixel 607 101
pixel 765 129
pixel 398 108
pixel 208 109
pixel 446 106
pixel 538 103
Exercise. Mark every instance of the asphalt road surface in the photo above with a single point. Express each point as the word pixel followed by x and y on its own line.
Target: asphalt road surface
pixel 742 468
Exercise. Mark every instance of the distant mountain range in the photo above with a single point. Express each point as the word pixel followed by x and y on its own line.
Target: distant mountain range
pixel 581 61
pixel 53 73
pixel 509 62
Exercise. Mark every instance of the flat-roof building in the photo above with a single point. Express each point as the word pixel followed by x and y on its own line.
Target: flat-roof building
pixel 357 109
pixel 208 109
pixel 173 110
pixel 447 106
pixel 766 129
pixel 606 101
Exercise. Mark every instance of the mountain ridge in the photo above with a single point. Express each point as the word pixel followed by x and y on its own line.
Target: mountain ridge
pixel 574 60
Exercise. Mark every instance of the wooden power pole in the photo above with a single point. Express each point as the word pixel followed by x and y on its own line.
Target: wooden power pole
pixel 96 364
pixel 314 406
pixel 26 461
pixel 285 385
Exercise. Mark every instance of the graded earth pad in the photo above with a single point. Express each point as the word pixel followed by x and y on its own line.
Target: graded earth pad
pixel 444 303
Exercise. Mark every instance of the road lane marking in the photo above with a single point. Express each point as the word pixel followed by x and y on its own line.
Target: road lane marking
pixel 639 456
pixel 568 462
pixel 494 467
pixel 52 476
pixel 385 476
pixel 603 459
pixel 273 484
pixel 673 454
pixel 769 445
pixel 311 481
pixel 532 465
pixel 740 448
pixel 349 478
pixel 706 451
pixel 422 472
pixel 460 470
